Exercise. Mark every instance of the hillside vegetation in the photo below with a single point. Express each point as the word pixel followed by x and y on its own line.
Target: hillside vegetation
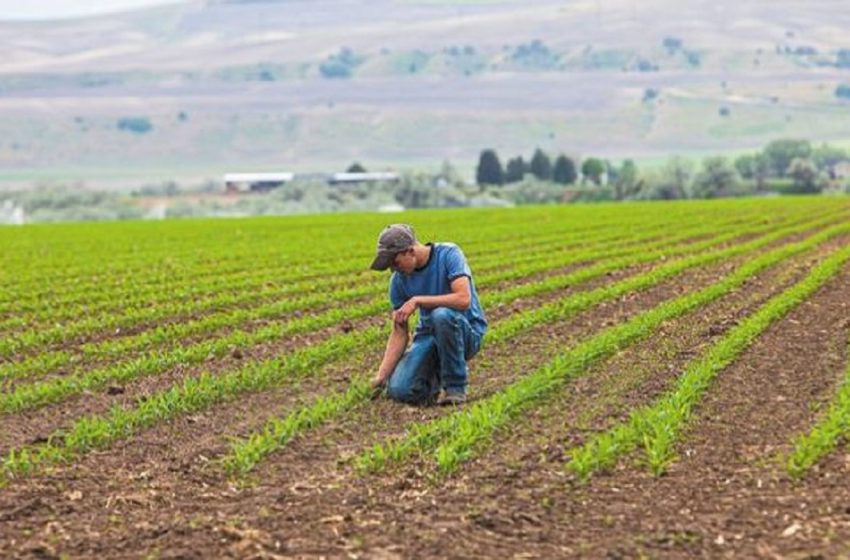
pixel 197 88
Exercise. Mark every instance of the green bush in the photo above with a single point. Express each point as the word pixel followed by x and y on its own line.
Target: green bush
pixel 340 65
pixel 137 125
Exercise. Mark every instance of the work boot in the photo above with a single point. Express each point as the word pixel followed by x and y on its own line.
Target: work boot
pixel 450 399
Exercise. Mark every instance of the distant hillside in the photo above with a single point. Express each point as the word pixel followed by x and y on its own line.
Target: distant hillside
pixel 196 88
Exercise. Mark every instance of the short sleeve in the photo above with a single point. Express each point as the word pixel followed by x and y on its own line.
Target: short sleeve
pixel 456 265
pixel 397 297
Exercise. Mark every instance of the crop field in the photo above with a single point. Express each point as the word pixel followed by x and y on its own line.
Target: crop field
pixel 658 380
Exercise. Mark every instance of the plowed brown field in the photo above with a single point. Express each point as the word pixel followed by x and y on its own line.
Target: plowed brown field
pixel 158 480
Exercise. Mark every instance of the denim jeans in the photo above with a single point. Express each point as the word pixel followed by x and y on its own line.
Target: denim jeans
pixel 436 359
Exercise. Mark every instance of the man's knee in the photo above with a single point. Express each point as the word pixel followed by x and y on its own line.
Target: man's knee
pixel 399 391
pixel 403 388
pixel 403 392
pixel 442 317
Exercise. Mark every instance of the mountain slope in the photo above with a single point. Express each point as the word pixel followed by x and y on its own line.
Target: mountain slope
pixel 197 88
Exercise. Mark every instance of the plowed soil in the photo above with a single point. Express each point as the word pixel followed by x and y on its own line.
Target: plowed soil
pixel 162 493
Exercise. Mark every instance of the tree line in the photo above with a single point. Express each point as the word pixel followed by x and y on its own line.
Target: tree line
pixel 786 166
pixel 562 171
pixel 623 178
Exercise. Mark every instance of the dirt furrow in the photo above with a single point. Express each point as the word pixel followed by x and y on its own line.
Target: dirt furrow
pixel 158 486
pixel 727 496
pixel 478 516
pixel 36 425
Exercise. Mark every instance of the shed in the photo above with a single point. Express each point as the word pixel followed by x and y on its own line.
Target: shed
pixel 256 182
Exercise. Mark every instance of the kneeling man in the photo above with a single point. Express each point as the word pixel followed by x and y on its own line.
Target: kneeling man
pixel 434 278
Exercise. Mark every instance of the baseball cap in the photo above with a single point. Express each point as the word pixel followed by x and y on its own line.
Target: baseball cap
pixel 392 241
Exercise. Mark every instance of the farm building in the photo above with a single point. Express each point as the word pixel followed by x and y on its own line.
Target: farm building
pixel 262 182
pixel 352 178
pixel 255 182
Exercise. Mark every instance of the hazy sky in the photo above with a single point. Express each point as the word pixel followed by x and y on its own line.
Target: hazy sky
pixel 52 9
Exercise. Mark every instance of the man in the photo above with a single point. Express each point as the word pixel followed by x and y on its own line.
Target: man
pixel 435 279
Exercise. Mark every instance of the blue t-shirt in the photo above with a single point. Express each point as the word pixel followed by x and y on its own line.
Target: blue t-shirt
pixel 445 264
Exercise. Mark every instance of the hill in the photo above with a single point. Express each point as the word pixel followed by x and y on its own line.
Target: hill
pixel 193 89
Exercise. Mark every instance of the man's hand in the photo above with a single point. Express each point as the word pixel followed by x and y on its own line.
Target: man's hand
pixel 403 313
pixel 378 383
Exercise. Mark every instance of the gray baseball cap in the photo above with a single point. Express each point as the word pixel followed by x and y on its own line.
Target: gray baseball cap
pixel 392 241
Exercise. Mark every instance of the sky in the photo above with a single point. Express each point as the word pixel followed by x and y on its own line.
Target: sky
pixel 58 9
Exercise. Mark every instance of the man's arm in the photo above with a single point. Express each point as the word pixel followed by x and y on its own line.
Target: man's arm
pixel 459 298
pixel 396 346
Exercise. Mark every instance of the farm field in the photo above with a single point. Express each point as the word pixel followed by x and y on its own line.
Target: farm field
pixel 659 380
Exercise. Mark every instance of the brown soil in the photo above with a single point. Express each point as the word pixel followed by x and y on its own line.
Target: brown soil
pixel 161 492
pixel 727 496
pixel 36 425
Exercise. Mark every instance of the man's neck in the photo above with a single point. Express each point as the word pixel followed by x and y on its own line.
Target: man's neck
pixel 423 253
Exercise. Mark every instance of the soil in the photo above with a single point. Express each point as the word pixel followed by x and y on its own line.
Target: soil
pixel 162 493
pixel 38 424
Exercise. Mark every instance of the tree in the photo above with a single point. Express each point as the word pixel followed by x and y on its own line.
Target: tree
pixel 413 193
pixel 754 167
pixel 592 169
pixel 626 182
pixel 541 166
pixel 826 157
pixel 780 153
pixel 745 165
pixel 842 91
pixel 805 175
pixel 515 170
pixel 340 65
pixel 679 173
pixel 449 174
pixel 489 169
pixel 611 171
pixel 672 44
pixel 355 168
pixel 137 125
pixel 564 171
pixel 693 57
pixel 673 181
pixel 718 178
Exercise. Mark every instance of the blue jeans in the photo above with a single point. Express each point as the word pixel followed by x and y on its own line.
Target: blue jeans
pixel 436 359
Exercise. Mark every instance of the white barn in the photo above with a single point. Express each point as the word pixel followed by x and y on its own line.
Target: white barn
pixel 351 178
pixel 255 182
